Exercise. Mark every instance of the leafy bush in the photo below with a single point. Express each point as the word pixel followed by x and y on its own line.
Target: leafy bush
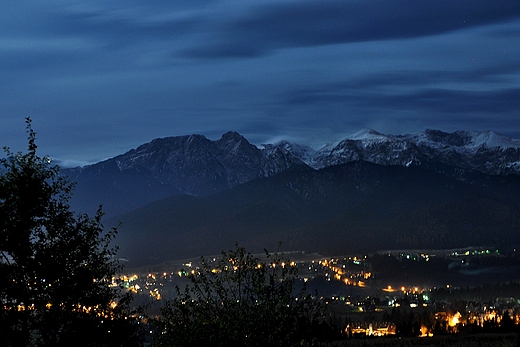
pixel 242 301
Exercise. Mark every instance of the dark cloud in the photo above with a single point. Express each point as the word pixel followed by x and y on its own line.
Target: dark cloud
pixel 316 23
pixel 428 100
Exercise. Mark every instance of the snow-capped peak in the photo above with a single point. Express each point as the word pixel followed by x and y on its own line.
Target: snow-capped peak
pixel 490 139
pixel 364 136
pixel 368 135
pixel 463 140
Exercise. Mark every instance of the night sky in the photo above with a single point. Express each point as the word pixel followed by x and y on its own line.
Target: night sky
pixel 101 77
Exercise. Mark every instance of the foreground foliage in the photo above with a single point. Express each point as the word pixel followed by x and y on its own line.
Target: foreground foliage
pixel 242 301
pixel 56 268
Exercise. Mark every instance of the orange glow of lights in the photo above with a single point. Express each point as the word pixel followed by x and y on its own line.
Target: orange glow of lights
pixel 425 332
pixel 454 320
pixel 389 289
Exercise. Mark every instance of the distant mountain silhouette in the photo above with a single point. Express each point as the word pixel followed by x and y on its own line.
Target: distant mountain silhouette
pixel 351 208
pixel 186 196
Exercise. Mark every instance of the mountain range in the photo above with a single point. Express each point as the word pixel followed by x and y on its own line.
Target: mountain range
pixel 187 196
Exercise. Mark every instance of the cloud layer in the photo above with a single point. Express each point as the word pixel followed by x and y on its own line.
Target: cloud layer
pixel 101 77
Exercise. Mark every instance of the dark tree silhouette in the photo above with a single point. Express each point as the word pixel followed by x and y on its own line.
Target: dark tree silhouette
pixel 243 301
pixel 56 268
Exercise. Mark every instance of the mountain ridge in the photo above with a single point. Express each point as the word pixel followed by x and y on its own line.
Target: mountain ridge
pixel 187 195
pixel 195 165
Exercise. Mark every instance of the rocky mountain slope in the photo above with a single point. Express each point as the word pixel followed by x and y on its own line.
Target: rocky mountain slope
pixel 195 165
pixel 190 165
pixel 486 152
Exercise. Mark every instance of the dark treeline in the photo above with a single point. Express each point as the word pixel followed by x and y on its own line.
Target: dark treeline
pixel 481 293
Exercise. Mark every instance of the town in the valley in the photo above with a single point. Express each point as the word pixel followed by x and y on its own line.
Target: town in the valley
pixel 394 292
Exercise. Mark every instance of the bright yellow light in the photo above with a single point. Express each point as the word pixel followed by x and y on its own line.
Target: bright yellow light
pixel 454 320
pixel 425 332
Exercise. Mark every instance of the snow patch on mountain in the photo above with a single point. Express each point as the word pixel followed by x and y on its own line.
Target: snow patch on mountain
pixel 491 139
pixel 369 136
pixel 287 149
pixel 462 140
pixel 486 151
